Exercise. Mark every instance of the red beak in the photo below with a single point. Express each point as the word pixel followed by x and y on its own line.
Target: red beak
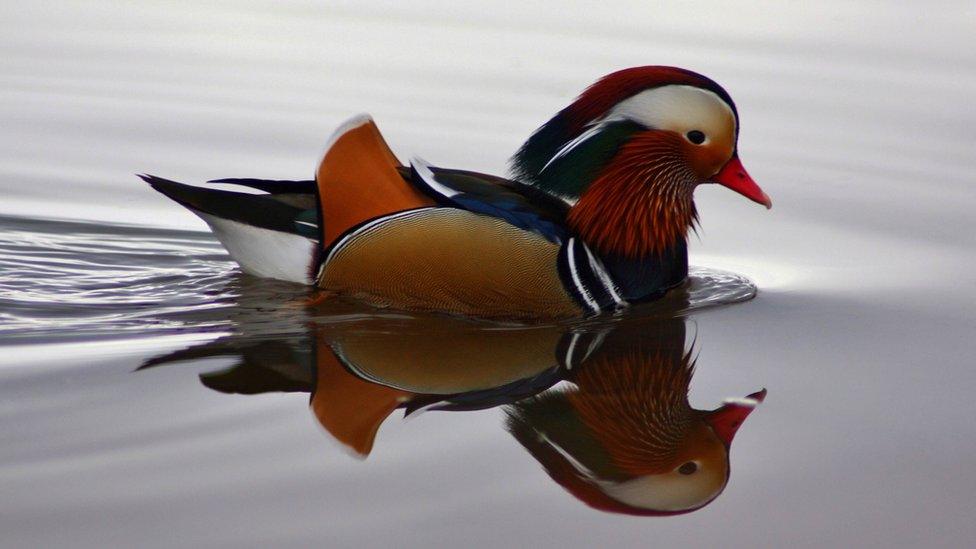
pixel 726 420
pixel 735 177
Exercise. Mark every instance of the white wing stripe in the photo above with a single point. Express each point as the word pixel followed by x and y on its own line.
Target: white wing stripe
pixel 423 169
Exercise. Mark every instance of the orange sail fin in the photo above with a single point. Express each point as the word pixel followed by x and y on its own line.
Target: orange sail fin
pixel 349 408
pixel 358 180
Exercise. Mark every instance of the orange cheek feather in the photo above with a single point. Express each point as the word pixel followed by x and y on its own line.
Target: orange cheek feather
pixel 707 160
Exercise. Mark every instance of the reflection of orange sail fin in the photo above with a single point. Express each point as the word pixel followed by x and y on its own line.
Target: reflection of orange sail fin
pixel 358 179
pixel 349 408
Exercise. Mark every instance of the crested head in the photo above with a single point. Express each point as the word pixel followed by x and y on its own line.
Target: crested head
pixel 609 112
pixel 628 154
pixel 625 439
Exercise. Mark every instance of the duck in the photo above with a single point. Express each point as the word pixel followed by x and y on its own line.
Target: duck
pixel 603 409
pixel 359 373
pixel 623 437
pixel 593 219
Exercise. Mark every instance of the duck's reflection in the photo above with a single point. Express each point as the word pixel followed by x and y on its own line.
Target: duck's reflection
pixel 623 437
pixel 603 408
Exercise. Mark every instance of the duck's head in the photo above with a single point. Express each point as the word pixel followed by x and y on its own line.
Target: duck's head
pixel 695 473
pixel 629 152
pixel 626 440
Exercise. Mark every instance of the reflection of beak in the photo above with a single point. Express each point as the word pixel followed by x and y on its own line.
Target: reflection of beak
pixel 726 420
pixel 735 177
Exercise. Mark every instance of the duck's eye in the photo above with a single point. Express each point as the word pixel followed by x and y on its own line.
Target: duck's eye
pixel 688 468
pixel 696 137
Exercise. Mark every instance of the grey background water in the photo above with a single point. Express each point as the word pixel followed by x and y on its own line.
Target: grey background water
pixel 857 120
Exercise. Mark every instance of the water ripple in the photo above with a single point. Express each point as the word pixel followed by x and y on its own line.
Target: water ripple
pixel 72 281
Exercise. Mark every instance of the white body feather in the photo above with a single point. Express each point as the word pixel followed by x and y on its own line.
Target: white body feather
pixel 263 252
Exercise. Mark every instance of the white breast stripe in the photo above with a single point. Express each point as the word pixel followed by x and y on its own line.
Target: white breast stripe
pixel 568 359
pixel 423 169
pixel 576 278
pixel 595 344
pixel 368 226
pixel 604 276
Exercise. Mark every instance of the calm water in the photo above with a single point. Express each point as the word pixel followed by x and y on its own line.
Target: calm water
pixel 151 395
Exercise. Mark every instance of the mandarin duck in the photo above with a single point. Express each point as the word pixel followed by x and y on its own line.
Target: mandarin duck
pixel 359 373
pixel 594 218
pixel 623 437
pixel 618 433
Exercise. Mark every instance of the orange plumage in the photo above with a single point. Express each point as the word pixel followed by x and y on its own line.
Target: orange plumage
pixel 640 205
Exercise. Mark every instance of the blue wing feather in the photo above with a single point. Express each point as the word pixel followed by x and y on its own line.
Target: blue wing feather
pixel 517 204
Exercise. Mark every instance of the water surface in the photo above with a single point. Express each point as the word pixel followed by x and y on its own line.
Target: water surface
pixel 856 119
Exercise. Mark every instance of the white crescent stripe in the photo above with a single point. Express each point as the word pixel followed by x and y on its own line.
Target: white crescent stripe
pixel 342 242
pixel 574 273
pixel 595 344
pixel 604 277
pixel 568 359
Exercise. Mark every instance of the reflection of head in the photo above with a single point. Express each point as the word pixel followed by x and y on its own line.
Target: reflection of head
pixel 625 439
pixel 622 438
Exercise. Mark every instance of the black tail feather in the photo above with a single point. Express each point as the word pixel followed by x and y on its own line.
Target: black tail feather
pixel 273 186
pixel 264 211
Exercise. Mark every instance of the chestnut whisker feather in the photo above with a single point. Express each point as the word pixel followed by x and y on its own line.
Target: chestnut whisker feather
pixel 648 187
